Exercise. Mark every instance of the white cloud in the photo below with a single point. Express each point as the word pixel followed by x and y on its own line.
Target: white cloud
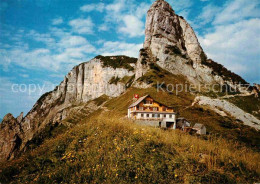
pixel 103 27
pixel 93 7
pixel 38 58
pixel 58 32
pixel 208 14
pixel 236 46
pixel 120 48
pixel 82 26
pixel 126 17
pixel 4 59
pixel 233 39
pixel 62 52
pixel 132 26
pixel 24 75
pixel 238 10
pixel 180 5
pixel 57 21
pixel 75 54
pixel 141 10
pixel 117 6
pixel 71 41
pixel 45 37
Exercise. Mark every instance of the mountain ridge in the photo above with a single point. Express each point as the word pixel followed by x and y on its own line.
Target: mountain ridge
pixel 170 43
pixel 106 147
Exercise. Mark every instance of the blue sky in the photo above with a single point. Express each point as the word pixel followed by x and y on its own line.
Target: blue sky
pixel 41 40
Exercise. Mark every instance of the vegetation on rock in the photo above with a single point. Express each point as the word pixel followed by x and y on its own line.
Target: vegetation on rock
pixel 118 61
pixel 220 70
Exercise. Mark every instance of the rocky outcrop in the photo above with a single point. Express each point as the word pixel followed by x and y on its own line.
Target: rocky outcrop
pixel 83 83
pixel 174 44
pixel 143 61
pixel 224 107
pixel 191 42
pixel 11 135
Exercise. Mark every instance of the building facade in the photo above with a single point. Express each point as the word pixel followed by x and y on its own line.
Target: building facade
pixel 145 110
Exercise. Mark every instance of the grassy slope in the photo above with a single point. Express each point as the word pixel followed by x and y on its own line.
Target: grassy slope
pixel 226 127
pixel 105 147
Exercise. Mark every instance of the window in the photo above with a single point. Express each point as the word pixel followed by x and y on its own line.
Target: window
pixel 148 102
pixel 170 116
pixel 153 115
pixel 142 115
pixel 147 115
pixel 164 115
pixel 164 108
pixel 155 109
pixel 141 108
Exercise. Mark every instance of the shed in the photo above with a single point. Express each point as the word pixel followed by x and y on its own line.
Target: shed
pixel 182 123
pixel 200 129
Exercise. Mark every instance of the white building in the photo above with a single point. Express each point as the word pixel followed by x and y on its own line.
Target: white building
pixel 149 112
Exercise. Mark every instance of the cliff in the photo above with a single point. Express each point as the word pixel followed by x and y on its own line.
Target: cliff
pixel 83 83
pixel 171 43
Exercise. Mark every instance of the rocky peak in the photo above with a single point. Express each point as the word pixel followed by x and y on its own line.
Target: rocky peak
pixel 174 45
pixel 10 137
pixel 9 120
pixel 163 26
pixel 20 118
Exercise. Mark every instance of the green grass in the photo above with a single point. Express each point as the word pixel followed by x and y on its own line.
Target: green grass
pixel 226 127
pixel 100 100
pixel 117 61
pixel 114 80
pixel 106 148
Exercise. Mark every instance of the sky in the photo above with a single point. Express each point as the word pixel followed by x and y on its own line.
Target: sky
pixel 41 40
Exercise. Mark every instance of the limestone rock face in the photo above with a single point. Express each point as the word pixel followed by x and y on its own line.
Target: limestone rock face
pixel 163 27
pixel 83 83
pixel 168 31
pixel 219 105
pixel 143 63
pixel 174 44
pixel 191 42
pixel 10 137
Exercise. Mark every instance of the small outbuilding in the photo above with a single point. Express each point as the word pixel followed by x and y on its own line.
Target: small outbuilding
pixel 182 124
pixel 200 129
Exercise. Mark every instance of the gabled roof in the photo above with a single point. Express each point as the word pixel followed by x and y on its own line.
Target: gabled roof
pixel 138 101
pixel 198 126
